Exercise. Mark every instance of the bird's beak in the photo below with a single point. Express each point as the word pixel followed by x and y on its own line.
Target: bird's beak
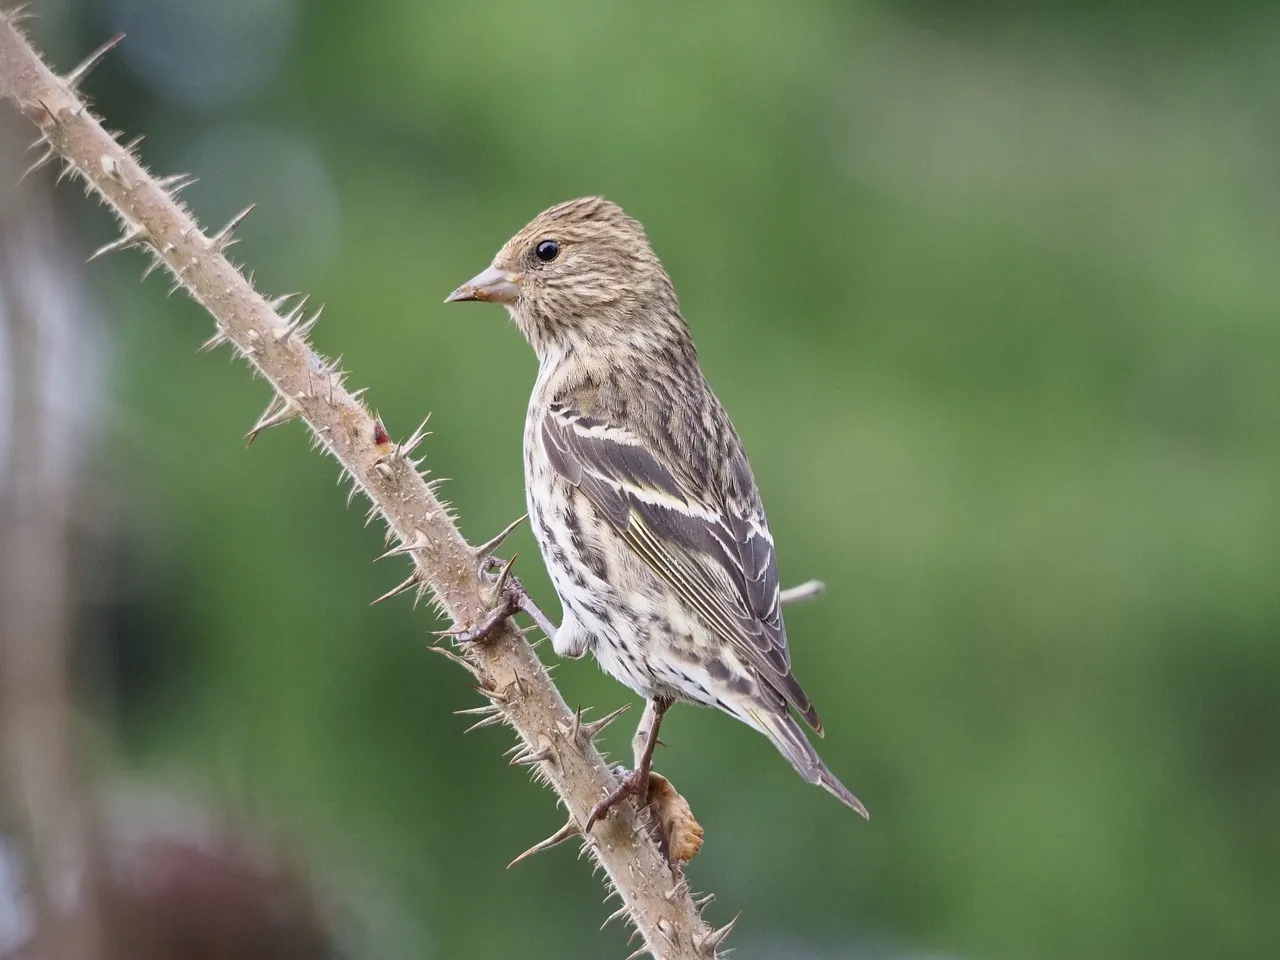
pixel 491 285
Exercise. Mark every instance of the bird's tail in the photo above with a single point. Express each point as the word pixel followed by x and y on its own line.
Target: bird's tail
pixel 786 734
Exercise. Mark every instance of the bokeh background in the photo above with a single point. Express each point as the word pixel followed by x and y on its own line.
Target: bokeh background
pixel 991 292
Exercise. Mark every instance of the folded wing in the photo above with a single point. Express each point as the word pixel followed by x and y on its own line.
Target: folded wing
pixel 712 547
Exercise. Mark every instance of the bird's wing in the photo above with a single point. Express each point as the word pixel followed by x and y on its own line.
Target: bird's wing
pixel 716 552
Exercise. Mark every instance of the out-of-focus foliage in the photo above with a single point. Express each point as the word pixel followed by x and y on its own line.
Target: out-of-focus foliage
pixel 991 293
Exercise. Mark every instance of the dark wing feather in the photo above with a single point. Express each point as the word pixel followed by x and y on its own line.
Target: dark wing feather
pixel 718 556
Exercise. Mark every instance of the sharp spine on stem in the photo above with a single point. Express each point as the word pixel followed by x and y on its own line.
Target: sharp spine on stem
pixel 279 410
pixel 564 833
pixel 44 159
pixel 223 239
pixel 133 237
pixel 77 75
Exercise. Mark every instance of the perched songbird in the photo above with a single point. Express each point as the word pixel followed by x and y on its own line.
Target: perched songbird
pixel 639 493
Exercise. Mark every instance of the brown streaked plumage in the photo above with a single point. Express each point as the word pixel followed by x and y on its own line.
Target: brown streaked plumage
pixel 639 492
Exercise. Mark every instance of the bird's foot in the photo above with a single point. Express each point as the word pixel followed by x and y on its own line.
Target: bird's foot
pixel 506 593
pixel 512 592
pixel 510 597
pixel 482 630
pixel 634 784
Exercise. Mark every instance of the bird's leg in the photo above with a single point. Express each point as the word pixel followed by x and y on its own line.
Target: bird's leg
pixel 636 784
pixel 525 603
pixel 644 730
pixel 659 706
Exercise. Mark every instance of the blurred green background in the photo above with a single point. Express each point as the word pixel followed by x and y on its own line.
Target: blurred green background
pixel 991 292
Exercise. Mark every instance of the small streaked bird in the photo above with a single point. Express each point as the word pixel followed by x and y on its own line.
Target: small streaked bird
pixel 639 493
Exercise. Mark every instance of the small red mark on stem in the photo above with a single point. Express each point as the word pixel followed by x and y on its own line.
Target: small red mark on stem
pixel 380 437
pixel 37 113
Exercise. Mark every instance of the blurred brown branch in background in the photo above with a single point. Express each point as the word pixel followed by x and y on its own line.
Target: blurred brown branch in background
pixel 50 815
pixel 555 742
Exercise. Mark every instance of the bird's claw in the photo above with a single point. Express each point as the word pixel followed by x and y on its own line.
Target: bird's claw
pixel 489 565
pixel 513 594
pixel 634 784
pixel 511 598
pixel 486 627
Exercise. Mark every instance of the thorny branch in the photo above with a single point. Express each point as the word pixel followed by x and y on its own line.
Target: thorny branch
pixel 556 743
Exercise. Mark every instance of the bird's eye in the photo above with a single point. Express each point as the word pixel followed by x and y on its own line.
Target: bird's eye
pixel 547 250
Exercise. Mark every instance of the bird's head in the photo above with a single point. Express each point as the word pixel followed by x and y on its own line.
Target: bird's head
pixel 581 275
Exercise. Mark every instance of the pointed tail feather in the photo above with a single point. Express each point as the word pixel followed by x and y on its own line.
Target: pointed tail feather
pixel 789 738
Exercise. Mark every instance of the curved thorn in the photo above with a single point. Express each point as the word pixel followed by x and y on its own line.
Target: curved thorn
pixel 592 730
pixel 298 322
pixel 294 316
pixel 707 945
pixel 217 340
pixel 132 238
pixel 418 543
pixel 423 587
pixel 174 183
pixel 576 727
pixel 305 328
pixel 298 307
pixel 44 158
pixel 413 581
pixel 484 710
pixel 73 79
pixel 486 722
pixel 489 546
pixel 450 655
pixel 494 695
pixel 222 239
pixel 279 410
pixel 620 912
pixel 404 449
pixel 501 581
pixel 156 262
pixel 528 758
pixel 560 836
